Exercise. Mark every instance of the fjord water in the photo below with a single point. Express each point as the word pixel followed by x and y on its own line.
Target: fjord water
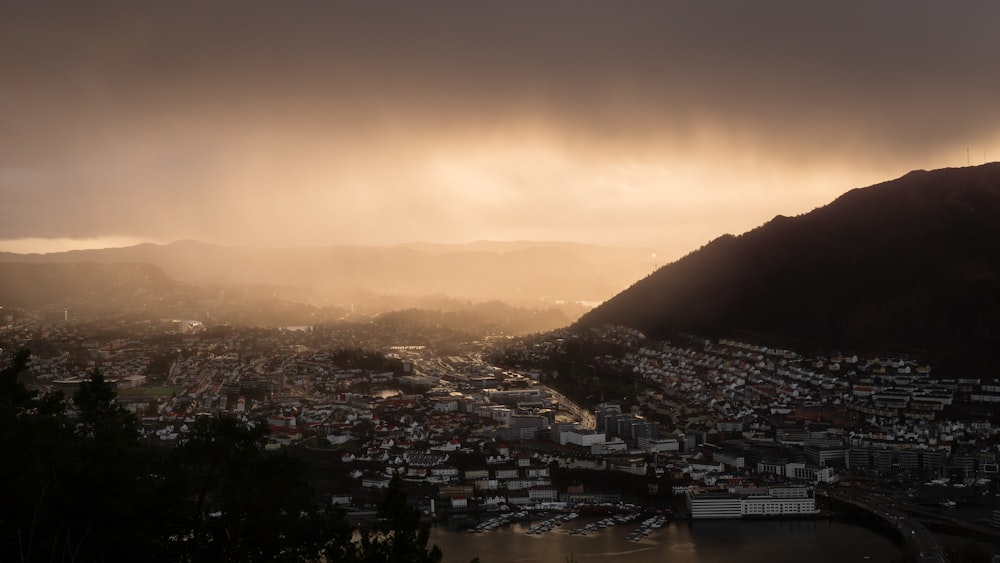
pixel 770 541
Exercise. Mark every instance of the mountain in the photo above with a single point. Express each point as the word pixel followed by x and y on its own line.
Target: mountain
pixel 514 272
pixel 910 265
pixel 62 285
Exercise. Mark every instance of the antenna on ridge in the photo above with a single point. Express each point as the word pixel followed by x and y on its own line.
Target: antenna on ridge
pixel 967 163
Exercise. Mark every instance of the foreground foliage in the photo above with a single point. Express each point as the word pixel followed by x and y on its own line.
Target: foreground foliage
pixel 82 486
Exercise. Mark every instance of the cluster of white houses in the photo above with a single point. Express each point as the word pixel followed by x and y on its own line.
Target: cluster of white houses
pixel 749 502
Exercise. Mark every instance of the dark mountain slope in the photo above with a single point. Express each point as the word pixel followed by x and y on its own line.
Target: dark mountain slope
pixel 911 265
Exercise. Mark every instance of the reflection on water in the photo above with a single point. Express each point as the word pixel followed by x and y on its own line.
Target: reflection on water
pixel 770 541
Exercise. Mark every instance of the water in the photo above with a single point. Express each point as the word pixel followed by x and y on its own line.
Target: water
pixel 770 541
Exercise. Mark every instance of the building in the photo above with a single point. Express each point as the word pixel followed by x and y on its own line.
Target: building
pixel 616 424
pixel 515 396
pixel 729 459
pixel 583 438
pixel 720 504
pixel 592 497
pixel 375 482
pixel 742 503
pixel 795 435
pixel 871 457
pixel 827 455
pixel 920 460
pixel 813 474
pixel 779 501
pixel 606 415
pixel 661 445
pixel 614 445
pixel 517 434
pixel 557 428
pixel 640 428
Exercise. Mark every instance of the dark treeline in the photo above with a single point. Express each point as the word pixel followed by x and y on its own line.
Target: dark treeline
pixel 81 485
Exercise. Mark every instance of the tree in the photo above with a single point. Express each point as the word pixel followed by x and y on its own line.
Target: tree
pixel 233 501
pixel 76 498
pixel 100 416
pixel 87 489
pixel 399 535
pixel 14 397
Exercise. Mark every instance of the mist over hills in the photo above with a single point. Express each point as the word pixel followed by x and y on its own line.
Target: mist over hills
pixel 911 265
pixel 514 272
pixel 483 287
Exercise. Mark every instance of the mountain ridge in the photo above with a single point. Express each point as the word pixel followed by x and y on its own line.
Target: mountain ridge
pixel 909 264
pixel 517 272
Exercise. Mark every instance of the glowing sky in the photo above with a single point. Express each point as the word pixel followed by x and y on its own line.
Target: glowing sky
pixel 659 124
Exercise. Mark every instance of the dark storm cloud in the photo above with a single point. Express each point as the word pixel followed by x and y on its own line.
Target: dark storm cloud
pixel 611 66
pixel 131 109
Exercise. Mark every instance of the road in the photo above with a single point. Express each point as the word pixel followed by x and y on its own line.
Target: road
pixel 585 417
pixel 927 547
pixel 438 366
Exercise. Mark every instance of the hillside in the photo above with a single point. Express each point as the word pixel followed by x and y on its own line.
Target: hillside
pixel 910 265
pixel 100 286
pixel 520 273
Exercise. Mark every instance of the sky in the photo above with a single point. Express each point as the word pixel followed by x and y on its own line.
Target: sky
pixel 310 123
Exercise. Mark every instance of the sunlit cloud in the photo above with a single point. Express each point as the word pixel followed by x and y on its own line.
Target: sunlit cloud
pixel 314 124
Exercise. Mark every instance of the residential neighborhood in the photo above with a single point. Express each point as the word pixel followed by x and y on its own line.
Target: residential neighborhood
pixel 715 429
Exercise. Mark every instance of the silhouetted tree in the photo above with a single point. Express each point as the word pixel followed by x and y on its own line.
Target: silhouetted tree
pixel 86 488
pixel 75 499
pixel 399 535
pixel 234 501
pixel 100 416
pixel 14 397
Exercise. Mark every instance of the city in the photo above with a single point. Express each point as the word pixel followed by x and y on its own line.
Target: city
pixel 711 429
pixel 491 282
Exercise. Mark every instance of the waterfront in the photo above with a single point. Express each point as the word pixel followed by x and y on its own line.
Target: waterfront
pixel 718 541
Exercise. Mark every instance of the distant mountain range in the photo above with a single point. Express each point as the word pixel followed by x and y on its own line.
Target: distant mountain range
pixel 911 265
pixel 514 272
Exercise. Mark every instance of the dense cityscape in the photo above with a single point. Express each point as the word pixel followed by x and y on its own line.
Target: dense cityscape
pixel 487 431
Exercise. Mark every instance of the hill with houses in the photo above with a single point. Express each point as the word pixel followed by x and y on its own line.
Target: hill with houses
pixel 911 264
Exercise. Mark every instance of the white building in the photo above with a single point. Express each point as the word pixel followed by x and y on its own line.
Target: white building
pixel 583 438
pixel 772 501
pixel 714 505
pixel 779 501
pixel 729 460
pixel 661 445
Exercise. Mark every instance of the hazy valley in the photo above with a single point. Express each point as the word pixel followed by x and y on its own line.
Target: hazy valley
pixel 511 287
